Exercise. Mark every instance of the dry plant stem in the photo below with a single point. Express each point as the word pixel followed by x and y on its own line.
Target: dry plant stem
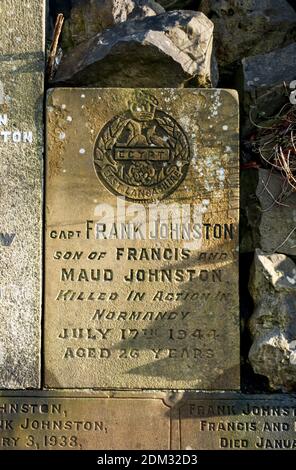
pixel 276 145
pixel 54 46
pixel 286 239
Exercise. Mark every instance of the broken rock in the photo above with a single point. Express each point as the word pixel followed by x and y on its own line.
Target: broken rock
pixel 268 213
pixel 249 27
pixel 167 50
pixel 90 17
pixel 273 323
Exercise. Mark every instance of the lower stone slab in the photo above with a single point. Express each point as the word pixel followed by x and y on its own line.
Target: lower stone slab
pixel 235 422
pixel 80 420
pixel 57 422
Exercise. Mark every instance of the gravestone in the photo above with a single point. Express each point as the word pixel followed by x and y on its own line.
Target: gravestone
pixel 21 143
pixel 63 421
pixel 80 420
pixel 234 422
pixel 141 287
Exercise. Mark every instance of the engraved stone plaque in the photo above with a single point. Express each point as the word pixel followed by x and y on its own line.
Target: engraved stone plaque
pixel 66 421
pixel 141 239
pixel 58 422
pixel 237 422
pixel 22 51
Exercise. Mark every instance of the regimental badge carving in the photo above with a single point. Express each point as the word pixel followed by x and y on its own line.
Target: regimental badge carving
pixel 142 154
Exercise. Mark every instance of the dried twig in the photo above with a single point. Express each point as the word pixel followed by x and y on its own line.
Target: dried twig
pixel 275 143
pixel 54 46
pixel 276 200
pixel 286 239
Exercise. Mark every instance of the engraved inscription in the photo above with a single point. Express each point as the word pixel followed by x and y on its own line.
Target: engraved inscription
pixel 141 293
pixel 6 239
pixel 14 136
pixel 240 423
pixel 81 423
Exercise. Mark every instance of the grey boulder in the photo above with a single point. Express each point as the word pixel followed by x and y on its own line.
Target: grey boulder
pixel 266 78
pixel 174 4
pixel 168 50
pixel 90 17
pixel 268 213
pixel 249 27
pixel 273 323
